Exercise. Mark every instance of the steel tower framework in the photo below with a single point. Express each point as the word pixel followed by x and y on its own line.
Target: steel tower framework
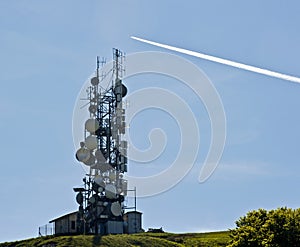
pixel 104 151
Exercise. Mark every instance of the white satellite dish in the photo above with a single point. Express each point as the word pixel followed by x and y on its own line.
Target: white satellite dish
pixel 100 156
pixel 103 167
pixel 110 191
pixel 112 176
pixel 116 209
pixel 96 166
pixel 91 125
pixel 91 142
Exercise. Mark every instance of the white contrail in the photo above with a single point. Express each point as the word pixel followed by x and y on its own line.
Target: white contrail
pixel 223 61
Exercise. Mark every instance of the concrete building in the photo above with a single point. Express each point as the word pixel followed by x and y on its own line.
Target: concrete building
pixel 133 222
pixel 65 224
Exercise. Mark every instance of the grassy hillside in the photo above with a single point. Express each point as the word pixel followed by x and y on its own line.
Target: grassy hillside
pixel 143 239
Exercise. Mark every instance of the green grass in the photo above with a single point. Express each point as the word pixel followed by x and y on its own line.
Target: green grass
pixel 211 239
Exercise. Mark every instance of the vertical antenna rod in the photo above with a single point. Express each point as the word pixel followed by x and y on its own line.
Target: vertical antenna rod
pixel 97 66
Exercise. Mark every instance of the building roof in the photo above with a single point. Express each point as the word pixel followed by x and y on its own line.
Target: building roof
pixel 63 216
pixel 134 212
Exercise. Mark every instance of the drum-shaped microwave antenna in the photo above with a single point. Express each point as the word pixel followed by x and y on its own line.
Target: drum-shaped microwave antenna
pixel 83 154
pixel 79 198
pixel 99 180
pixel 95 81
pixel 91 142
pixel 91 161
pixel 91 125
pixel 93 109
pixel 120 89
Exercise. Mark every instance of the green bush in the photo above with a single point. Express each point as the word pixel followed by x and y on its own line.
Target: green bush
pixel 274 228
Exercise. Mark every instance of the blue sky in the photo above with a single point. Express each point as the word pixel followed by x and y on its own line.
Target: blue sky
pixel 48 50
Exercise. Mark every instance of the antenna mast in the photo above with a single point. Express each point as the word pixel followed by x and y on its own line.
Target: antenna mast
pixel 104 151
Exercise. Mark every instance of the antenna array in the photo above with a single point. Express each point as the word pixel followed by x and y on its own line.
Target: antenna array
pixel 104 151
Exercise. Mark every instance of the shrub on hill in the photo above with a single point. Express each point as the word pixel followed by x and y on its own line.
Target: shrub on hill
pixel 262 228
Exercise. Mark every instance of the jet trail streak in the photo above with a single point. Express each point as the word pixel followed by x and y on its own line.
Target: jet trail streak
pixel 223 61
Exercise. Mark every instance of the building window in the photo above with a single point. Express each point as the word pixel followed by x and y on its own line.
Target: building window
pixel 73 225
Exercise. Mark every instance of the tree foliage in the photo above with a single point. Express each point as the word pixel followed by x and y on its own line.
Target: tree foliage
pixel 274 228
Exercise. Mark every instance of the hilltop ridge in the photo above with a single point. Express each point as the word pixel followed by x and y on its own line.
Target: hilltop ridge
pixel 211 239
